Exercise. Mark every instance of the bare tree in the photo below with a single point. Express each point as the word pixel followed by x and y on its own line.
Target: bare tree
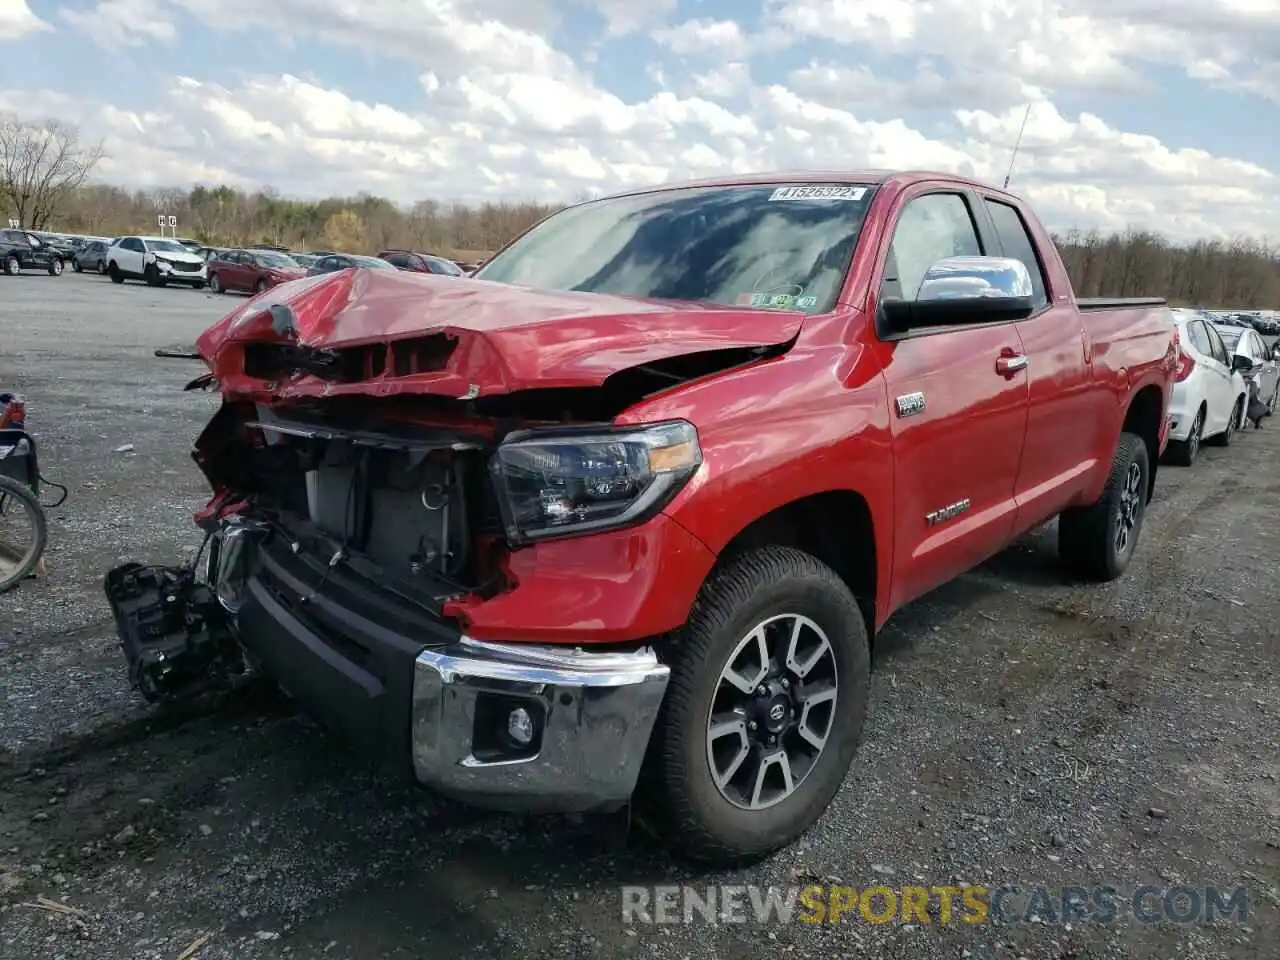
pixel 42 164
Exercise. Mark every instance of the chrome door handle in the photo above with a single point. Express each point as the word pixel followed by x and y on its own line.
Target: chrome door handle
pixel 1007 366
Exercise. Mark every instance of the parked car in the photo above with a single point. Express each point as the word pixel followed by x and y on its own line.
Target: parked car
pixel 23 250
pixel 91 256
pixel 304 260
pixel 1263 370
pixel 642 503
pixel 421 263
pixel 332 262
pixel 1209 394
pixel 252 270
pixel 157 260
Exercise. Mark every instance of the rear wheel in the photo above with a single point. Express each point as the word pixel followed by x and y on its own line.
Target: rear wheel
pixel 764 711
pixel 12 265
pixel 102 266
pixel 215 284
pixel 113 270
pixel 55 268
pixel 75 267
pixel 1183 453
pixel 260 286
pixel 1097 542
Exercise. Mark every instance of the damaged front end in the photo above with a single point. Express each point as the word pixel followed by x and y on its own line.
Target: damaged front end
pixel 369 494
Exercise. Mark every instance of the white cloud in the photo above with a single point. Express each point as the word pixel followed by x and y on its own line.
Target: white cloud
pixel 502 111
pixel 714 38
pixel 1087 46
pixel 123 23
pixel 17 20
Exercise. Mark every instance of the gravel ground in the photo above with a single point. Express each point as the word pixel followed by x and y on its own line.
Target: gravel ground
pixel 1023 730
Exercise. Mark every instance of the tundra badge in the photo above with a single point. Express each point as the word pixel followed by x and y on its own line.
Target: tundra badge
pixel 946 513
pixel 909 404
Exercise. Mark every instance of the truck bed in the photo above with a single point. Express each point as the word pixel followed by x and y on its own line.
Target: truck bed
pixel 1086 304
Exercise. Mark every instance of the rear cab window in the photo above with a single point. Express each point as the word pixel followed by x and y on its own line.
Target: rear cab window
pixel 1015 240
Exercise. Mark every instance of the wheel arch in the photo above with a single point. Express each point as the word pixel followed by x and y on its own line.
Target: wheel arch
pixel 1143 419
pixel 834 526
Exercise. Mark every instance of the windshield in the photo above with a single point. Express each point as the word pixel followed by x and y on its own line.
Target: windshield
pixel 166 246
pixel 774 246
pixel 370 262
pixel 444 266
pixel 276 260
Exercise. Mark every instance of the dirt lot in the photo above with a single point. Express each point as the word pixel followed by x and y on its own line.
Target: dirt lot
pixel 1023 730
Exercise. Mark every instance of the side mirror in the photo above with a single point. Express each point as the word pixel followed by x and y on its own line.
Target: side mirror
pixel 964 290
pixel 1241 364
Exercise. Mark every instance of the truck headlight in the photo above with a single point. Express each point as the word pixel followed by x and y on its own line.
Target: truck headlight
pixel 561 482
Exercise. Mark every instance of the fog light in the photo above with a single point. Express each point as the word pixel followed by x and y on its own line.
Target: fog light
pixel 520 726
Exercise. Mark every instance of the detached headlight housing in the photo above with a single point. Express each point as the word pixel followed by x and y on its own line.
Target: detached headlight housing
pixel 554 483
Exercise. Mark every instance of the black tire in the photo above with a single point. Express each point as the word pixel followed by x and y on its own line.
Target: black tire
pixel 152 276
pixel 260 286
pixel 75 266
pixel 1224 438
pixel 114 272
pixel 1182 453
pixel 12 266
pixel 102 266
pixel 1088 537
pixel 215 284
pixel 55 268
pixel 14 496
pixel 677 797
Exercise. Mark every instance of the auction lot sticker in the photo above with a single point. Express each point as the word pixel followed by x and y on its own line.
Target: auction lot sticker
pixel 820 191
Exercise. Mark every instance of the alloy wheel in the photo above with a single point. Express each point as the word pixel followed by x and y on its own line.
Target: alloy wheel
pixel 773 710
pixel 1130 511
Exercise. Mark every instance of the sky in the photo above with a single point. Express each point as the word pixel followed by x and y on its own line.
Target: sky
pixel 1159 114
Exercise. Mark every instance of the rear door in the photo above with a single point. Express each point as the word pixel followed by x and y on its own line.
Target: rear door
pixel 1222 387
pixel 1064 426
pixel 957 420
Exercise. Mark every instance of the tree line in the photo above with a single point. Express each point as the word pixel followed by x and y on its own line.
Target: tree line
pixel 45 169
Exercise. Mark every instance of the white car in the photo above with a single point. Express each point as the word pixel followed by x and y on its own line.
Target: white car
pixel 1266 368
pixel 157 260
pixel 1209 393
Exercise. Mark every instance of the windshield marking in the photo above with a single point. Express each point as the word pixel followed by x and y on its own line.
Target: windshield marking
pixel 820 191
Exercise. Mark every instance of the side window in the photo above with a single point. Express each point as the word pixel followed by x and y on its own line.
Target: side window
pixel 136 245
pixel 1199 339
pixel 398 260
pixel 930 228
pixel 1218 348
pixel 1016 241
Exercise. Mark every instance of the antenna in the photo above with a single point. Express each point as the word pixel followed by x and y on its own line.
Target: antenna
pixel 1018 143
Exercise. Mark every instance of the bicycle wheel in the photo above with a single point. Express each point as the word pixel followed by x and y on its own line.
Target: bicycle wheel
pixel 24 532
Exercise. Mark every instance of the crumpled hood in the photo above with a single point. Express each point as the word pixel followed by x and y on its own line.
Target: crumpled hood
pixel 471 338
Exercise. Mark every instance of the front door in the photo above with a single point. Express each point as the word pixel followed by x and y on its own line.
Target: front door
pixel 957 409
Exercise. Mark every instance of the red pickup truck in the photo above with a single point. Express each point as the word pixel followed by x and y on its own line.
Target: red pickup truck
pixel 617 519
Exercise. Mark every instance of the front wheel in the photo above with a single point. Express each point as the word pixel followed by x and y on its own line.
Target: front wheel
pixel 114 271
pixel 102 266
pixel 260 286
pixel 12 265
pixel 1233 424
pixel 1097 542
pixel 764 710
pixel 55 268
pixel 75 267
pixel 152 276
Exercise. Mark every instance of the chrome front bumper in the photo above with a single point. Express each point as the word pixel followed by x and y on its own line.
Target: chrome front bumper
pixel 592 715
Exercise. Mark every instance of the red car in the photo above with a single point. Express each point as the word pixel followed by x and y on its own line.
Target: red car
pixel 621 525
pixel 251 270
pixel 421 263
